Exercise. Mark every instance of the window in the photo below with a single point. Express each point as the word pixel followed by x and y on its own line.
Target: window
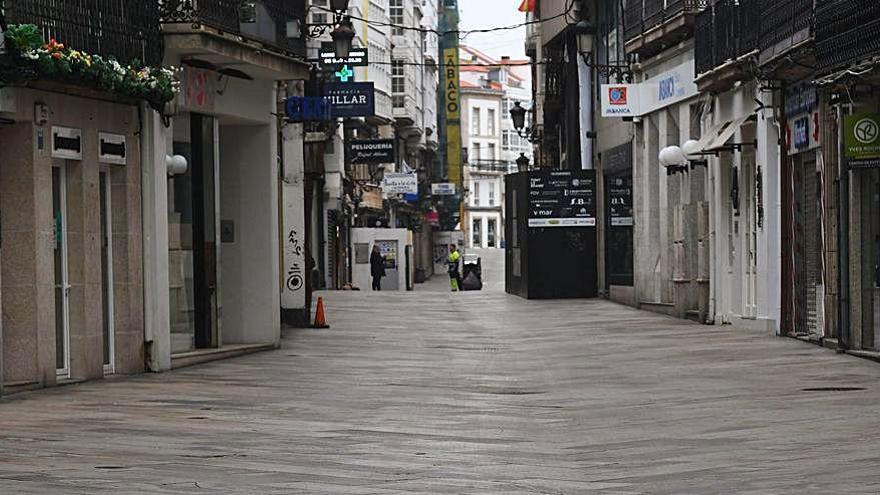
pixel 505 108
pixel 491 121
pixel 505 140
pixel 475 121
pixel 476 153
pixel 477 227
pixel 491 194
pixel 476 193
pixel 319 18
pixel 490 233
pixel 491 151
pixel 398 83
pixel 396 13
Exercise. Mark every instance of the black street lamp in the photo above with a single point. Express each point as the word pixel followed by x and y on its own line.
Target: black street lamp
pixel 522 163
pixel 339 5
pixel 518 115
pixel 342 38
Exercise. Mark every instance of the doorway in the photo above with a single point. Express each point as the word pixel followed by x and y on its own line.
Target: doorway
pixel 107 310
pixel 192 204
pixel 62 280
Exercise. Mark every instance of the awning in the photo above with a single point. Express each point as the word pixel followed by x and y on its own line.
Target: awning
pixel 725 134
pixel 708 137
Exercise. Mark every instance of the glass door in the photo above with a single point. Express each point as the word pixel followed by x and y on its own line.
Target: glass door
pixel 107 273
pixel 62 285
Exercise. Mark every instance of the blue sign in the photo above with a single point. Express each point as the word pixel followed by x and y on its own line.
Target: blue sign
pixel 667 88
pixel 307 108
pixel 802 133
pixel 351 99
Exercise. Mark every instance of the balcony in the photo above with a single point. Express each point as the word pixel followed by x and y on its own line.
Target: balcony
pixel 786 38
pixel 222 18
pixel 725 35
pixel 847 32
pixel 488 166
pixel 653 25
pixel 123 29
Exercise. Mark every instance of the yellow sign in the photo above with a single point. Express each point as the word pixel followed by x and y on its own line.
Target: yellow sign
pixel 453 113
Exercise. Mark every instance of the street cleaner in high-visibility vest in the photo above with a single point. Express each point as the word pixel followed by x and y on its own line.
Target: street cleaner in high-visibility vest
pixel 452 266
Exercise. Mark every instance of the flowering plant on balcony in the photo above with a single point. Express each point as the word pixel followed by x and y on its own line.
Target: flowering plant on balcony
pixel 52 59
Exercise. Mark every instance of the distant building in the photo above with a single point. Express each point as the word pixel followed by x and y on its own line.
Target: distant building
pixel 489 87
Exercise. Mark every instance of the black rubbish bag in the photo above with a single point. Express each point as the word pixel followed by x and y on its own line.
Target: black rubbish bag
pixel 472 281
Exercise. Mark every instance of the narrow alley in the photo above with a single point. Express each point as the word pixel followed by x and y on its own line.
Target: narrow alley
pixel 473 393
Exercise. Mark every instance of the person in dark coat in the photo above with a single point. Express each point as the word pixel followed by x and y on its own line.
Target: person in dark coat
pixel 377 267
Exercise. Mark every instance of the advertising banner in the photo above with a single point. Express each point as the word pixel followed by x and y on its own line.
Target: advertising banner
pixel 562 198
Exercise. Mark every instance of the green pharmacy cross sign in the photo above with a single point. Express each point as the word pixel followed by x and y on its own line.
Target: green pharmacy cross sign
pixel 345 73
pixel 862 140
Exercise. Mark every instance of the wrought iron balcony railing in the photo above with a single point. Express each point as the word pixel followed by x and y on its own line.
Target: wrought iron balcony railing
pixel 783 19
pixel 725 32
pixel 123 29
pixel 485 165
pixel 270 27
pixel 642 16
pixel 847 31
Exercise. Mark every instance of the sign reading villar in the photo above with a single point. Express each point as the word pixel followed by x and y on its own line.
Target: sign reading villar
pixel 562 198
pixel 862 140
pixel 351 99
pixel 374 151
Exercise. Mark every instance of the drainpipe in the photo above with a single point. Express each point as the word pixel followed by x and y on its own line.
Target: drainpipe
pixel 843 303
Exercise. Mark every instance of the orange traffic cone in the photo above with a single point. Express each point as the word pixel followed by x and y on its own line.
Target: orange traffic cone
pixel 320 321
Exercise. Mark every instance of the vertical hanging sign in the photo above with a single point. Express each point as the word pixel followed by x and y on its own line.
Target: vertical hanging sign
pixel 452 102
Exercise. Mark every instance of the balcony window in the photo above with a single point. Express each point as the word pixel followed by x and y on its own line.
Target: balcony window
pixel 491 152
pixel 505 140
pixel 490 121
pixel 505 108
pixel 491 194
pixel 396 13
pixel 476 193
pixel 398 83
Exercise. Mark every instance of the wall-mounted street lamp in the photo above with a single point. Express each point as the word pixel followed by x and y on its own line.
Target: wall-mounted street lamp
pixel 518 116
pixel 585 33
pixel 673 159
pixel 343 30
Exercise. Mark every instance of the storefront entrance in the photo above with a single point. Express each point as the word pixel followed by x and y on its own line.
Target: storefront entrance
pixel 192 223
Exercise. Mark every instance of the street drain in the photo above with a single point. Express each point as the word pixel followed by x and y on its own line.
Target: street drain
pixel 111 467
pixel 834 389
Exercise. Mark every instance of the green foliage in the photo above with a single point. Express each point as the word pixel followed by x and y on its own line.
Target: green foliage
pixel 53 60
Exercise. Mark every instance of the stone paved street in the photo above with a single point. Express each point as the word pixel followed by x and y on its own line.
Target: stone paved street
pixel 432 392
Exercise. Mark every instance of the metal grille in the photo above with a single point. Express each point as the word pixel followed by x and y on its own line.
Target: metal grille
pixel 633 19
pixel 223 15
pixel 704 42
pixel 782 19
pixel 123 29
pixel 725 32
pixel 846 31
pixel 643 15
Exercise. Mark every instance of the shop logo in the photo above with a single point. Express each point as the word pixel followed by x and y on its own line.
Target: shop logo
pixel 617 96
pixel 866 131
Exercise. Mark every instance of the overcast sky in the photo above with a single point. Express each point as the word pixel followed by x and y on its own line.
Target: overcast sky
pixel 486 14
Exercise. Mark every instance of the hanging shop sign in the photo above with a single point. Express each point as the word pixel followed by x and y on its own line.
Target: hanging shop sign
pixel 371 198
pixel 351 99
pixel 621 100
pixel 452 107
pixel 307 108
pixel 562 198
pixel 357 57
pixel 803 125
pixel 432 218
pixel 401 183
pixel 655 93
pixel 443 189
pixel 862 140
pixel 373 151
